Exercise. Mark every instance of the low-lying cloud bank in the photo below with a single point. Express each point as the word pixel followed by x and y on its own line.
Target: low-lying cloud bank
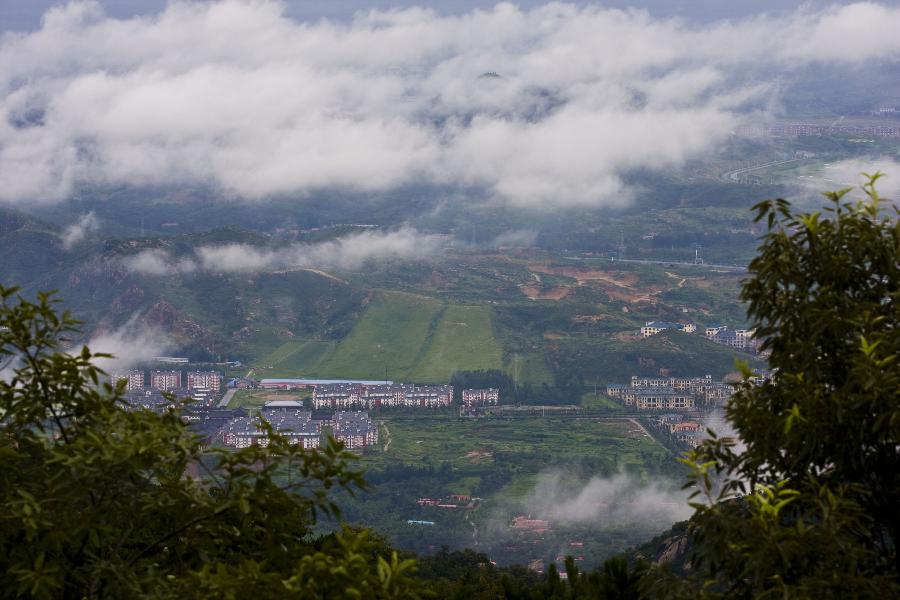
pixel 348 253
pixel 848 173
pixel 132 344
pixel 619 499
pixel 542 108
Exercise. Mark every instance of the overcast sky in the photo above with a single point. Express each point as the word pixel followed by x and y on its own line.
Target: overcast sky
pixel 26 14
pixel 540 106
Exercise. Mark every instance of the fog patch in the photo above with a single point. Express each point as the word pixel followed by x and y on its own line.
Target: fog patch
pixel 132 344
pixel 849 173
pixel 518 238
pixel 350 252
pixel 622 498
pixel 76 233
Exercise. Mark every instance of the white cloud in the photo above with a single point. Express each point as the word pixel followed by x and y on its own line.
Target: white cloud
pixel 619 499
pixel 157 262
pixel 348 252
pixel 130 345
pixel 522 238
pixel 848 173
pixel 235 94
pixel 76 232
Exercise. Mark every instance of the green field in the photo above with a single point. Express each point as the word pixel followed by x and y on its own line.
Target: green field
pixel 499 461
pixel 462 340
pixel 388 339
pixel 295 358
pixel 536 442
pixel 400 336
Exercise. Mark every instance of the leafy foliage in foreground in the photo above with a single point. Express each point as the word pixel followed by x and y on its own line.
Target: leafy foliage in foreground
pixel 100 502
pixel 810 507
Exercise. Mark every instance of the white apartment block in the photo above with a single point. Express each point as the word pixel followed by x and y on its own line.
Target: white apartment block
pixel 165 380
pixel 210 380
pixel 134 379
pixel 341 396
pixel 651 328
pixel 481 396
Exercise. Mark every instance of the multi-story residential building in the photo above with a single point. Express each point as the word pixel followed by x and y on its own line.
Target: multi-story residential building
pixel 209 421
pixel 739 339
pixel 711 331
pixel 343 396
pixel 146 398
pixel 761 377
pixel 338 395
pixel 385 396
pixel 662 398
pixel 165 380
pixel 703 391
pixel 354 428
pixel 296 425
pixel 210 380
pixel 429 396
pixel 134 379
pixel 299 384
pixel 691 384
pixel 481 396
pixel 653 327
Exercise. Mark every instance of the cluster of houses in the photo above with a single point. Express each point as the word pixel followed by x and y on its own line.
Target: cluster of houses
pixel 454 501
pixel 739 339
pixel 287 417
pixel 381 395
pixel 474 398
pixel 671 393
pixel 239 429
pixel 681 429
pixel 203 387
pixel 291 422
pixel 360 394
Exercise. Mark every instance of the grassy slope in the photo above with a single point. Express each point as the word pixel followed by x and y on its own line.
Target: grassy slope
pixel 463 340
pixel 415 337
pixel 390 335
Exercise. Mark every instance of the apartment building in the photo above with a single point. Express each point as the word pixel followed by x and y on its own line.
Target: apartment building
pixel 296 425
pixel 210 380
pixel 481 396
pixel 651 328
pixel 134 379
pixel 165 380
pixel 354 428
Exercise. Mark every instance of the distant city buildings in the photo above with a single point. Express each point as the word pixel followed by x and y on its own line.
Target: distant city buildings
pixel 134 379
pixel 210 380
pixel 203 387
pixel 296 425
pixel 682 430
pixel 344 396
pixel 472 397
pixel 165 380
pixel 670 393
pixel 354 428
pixel 739 339
pixel 653 327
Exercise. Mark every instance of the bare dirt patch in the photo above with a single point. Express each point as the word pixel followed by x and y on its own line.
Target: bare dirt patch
pixel 589 318
pixel 627 336
pixel 536 293
pixel 584 275
pixel 477 456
